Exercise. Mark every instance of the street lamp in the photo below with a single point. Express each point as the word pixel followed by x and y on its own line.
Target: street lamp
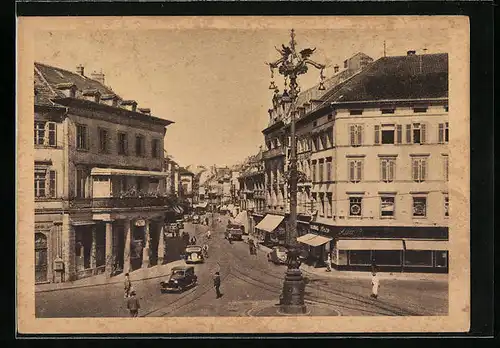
pixel 291 65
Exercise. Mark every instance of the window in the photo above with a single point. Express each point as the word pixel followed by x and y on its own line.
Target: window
pixel 355 206
pixel 388 134
pixel 81 178
pixel 446 108
pixel 356 135
pixel 446 205
pixel 313 168
pixel 408 133
pixel 322 207
pixel 355 112
pixel 443 133
pixel 441 258
pixel 387 206
pixel 420 109
pixel 419 206
pixel 399 134
pixel 329 169
pixel 329 212
pixel 419 169
pixel 40 182
pixel 360 257
pixel 39 133
pixel 330 117
pixel 139 145
pixel 81 137
pixel 315 123
pixel 387 169
pixel 446 167
pixel 418 133
pixel 45 133
pixel 103 140
pixel 387 111
pixel 418 258
pixel 122 144
pixel 387 257
pixel 321 170
pixel 355 170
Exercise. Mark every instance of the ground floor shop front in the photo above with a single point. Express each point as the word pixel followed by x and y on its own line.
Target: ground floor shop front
pixel 69 247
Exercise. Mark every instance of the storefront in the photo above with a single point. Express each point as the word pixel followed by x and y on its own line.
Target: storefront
pixel 318 248
pixel 273 229
pixel 254 219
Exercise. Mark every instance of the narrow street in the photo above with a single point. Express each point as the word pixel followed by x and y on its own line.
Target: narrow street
pixel 249 283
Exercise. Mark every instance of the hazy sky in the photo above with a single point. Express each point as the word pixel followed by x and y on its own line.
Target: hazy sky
pixel 213 83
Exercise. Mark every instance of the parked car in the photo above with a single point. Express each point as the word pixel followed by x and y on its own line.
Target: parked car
pixel 194 254
pixel 181 278
pixel 277 255
pixel 186 218
pixel 233 232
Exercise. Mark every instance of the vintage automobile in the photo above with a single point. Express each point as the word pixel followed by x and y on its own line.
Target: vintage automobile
pixel 186 218
pixel 194 254
pixel 233 232
pixel 181 278
pixel 277 255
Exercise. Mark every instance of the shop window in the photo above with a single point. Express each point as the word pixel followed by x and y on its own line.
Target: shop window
pixel 441 258
pixel 418 258
pixel 355 206
pixel 343 257
pixel 359 257
pixel 419 206
pixel 387 257
pixel 387 207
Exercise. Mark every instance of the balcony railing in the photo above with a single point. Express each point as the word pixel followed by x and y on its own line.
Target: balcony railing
pixel 279 151
pixel 118 202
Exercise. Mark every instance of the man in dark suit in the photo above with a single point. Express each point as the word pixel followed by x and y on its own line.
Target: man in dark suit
pixel 217 284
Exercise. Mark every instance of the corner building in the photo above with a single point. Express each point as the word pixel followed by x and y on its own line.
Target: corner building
pixel 99 186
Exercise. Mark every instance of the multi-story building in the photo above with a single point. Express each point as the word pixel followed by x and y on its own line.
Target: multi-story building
pixel 99 184
pixel 374 159
pixel 186 179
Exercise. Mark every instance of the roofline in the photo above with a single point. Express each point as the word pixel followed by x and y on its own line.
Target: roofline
pixel 274 126
pixel 390 101
pixel 66 101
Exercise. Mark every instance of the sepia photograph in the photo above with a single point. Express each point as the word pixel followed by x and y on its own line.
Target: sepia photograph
pixel 243 174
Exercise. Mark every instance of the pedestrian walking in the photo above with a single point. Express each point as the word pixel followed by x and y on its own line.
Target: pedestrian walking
pixel 127 286
pixel 217 285
pixel 133 305
pixel 375 285
pixel 329 263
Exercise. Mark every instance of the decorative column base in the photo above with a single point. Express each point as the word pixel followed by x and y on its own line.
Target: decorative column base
pixel 292 298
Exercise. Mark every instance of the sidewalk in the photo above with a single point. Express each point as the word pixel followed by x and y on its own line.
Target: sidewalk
pixel 100 280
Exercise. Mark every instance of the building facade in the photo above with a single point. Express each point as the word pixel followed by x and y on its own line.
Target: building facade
pixel 373 163
pixel 99 184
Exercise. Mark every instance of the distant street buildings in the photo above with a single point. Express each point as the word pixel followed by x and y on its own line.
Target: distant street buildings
pixel 373 167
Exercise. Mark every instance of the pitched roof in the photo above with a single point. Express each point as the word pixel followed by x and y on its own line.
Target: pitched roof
pixel 393 78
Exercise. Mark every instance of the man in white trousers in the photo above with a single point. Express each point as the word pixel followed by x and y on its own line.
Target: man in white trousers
pixel 375 285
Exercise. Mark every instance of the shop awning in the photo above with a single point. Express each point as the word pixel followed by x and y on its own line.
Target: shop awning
pixel 127 172
pixel 370 244
pixel 313 239
pixel 240 218
pixel 270 222
pixel 178 209
pixel 426 244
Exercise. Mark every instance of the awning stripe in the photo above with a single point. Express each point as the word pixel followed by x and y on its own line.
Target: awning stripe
pixel 426 244
pixel 269 223
pixel 370 244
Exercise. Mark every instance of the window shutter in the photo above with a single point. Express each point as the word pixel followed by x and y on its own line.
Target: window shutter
pixel 359 170
pixel 423 137
pixel 446 168
pixel 351 170
pixel 352 137
pixel 52 183
pixel 399 134
pixel 415 170
pixel 441 133
pixel 51 133
pixel 377 135
pixel 408 133
pixel 423 176
pixel 383 169
pixel 392 167
pixel 360 135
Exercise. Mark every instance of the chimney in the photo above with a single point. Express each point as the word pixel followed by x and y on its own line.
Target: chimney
pixel 336 69
pixel 99 77
pixel 411 53
pixel 80 70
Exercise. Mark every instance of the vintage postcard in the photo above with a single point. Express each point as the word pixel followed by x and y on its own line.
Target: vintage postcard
pixel 243 174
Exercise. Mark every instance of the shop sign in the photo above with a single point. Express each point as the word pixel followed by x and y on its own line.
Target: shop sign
pixel 351 232
pixel 314 228
pixel 140 223
pixel 321 229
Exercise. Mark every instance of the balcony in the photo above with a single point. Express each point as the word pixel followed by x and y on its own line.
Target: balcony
pixel 276 152
pixel 117 202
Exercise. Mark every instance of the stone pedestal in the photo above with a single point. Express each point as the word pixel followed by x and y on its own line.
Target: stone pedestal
pixel 292 298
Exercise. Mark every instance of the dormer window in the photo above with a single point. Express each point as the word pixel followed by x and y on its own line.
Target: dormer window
pixel 129 105
pixel 92 95
pixel 110 99
pixel 69 89
pixel 145 111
